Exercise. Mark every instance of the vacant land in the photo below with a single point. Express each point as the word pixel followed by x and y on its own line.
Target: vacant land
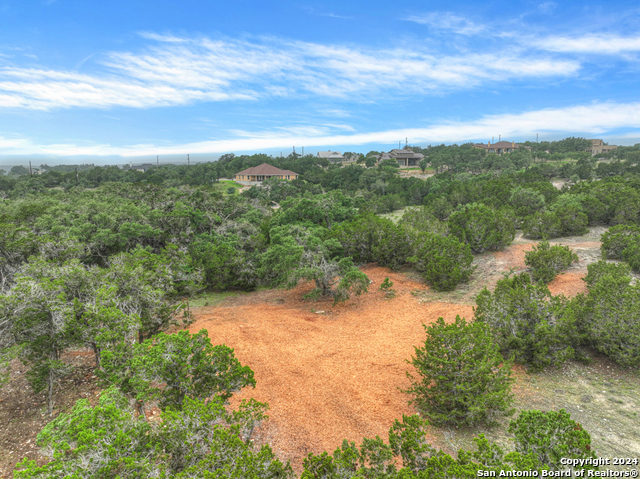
pixel 336 372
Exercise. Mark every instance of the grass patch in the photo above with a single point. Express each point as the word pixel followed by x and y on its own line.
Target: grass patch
pixel 580 389
pixel 210 298
pixel 224 185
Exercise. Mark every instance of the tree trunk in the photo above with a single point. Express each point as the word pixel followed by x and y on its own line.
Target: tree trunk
pixel 96 352
pixel 140 407
pixel 50 393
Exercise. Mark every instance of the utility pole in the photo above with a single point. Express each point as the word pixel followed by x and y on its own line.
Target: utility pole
pixel 499 138
pixel 188 161
pixel 537 138
pixel 406 141
pixel 76 175
pixel 157 160
pixel 399 143
pixel 303 151
pixel 30 170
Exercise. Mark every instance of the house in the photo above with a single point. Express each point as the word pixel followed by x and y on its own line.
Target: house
pixel 500 147
pixel 597 147
pixel 331 155
pixel 404 157
pixel 143 168
pixel 257 174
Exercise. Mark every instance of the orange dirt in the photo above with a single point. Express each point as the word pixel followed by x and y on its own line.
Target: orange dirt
pixel 329 376
pixel 568 284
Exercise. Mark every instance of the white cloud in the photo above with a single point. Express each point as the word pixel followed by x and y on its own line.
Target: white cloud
pixel 595 119
pixel 605 44
pixel 447 21
pixel 180 71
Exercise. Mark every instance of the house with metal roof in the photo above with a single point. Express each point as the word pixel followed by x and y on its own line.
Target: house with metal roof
pixel 404 157
pixel 257 174
pixel 500 147
pixel 331 155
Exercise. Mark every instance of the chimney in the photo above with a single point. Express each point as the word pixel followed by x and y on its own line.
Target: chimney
pixel 488 143
pixel 513 144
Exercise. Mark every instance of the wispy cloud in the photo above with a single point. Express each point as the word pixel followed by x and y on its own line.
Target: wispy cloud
pixel 179 71
pixel 605 44
pixel 447 21
pixel 593 119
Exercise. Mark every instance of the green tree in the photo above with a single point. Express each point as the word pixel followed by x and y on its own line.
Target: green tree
pixel 297 252
pixel 443 261
pixel 107 441
pixel 483 228
pixel 463 378
pixel 528 323
pixel 551 436
pixel 526 201
pixel 423 164
pixel 171 367
pixel 610 314
pixel 370 238
pixel 542 224
pixel 546 261
pixel 19 170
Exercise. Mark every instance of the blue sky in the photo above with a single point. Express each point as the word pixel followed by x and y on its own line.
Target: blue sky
pixel 103 81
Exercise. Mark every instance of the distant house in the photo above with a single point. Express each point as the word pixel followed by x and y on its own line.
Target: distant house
pixel 144 167
pixel 597 147
pixel 258 174
pixel 331 155
pixel 404 157
pixel 500 147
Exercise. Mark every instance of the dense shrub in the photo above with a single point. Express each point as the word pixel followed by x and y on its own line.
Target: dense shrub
pixel 528 322
pixel 551 436
pixel 546 261
pixel 617 239
pixel 526 201
pixel 573 220
pixel 543 224
pixel 371 238
pixel 422 220
pixel 463 378
pixel 631 254
pixel 443 261
pixel 599 269
pixel 611 318
pixel 623 242
pixel 483 228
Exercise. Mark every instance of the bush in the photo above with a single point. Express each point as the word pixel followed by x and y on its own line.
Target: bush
pixel 611 318
pixel 423 220
pixel 600 269
pixel 551 436
pixel 371 238
pixel 463 378
pixel 483 228
pixel 443 261
pixel 543 224
pixel 547 261
pixel 573 220
pixel 631 254
pixel 231 190
pixel 528 322
pixel 617 239
pixel 526 201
